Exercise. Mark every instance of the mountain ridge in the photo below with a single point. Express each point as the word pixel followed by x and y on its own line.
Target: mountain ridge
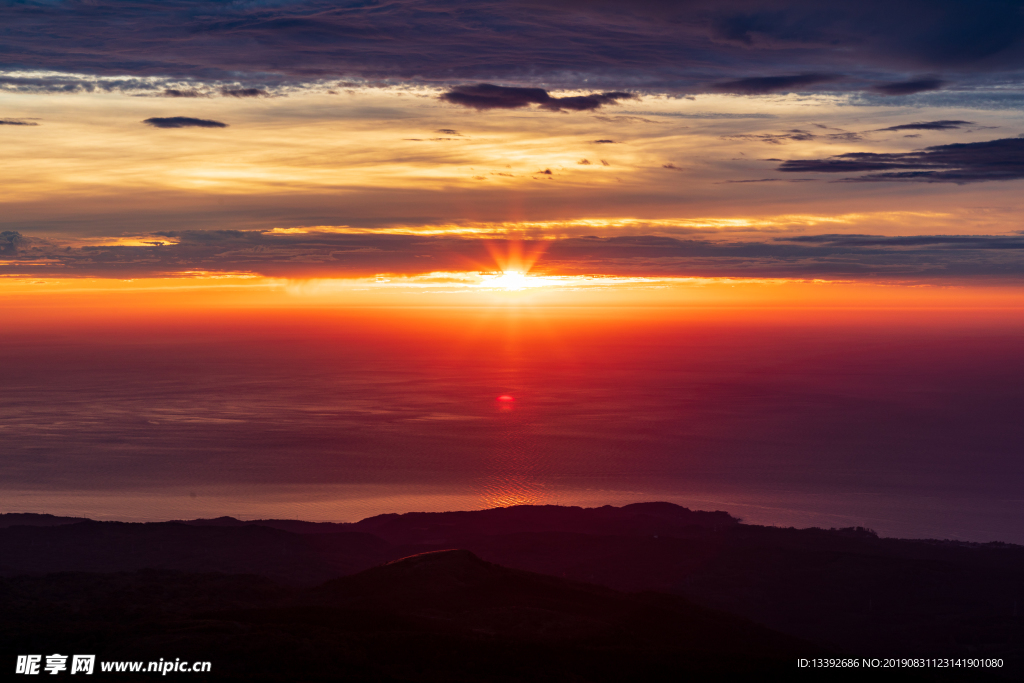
pixel 845 589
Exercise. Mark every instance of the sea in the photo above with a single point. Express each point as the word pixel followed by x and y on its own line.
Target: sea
pixel 902 421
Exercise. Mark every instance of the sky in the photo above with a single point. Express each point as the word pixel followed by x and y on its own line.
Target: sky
pixel 850 141
pixel 213 165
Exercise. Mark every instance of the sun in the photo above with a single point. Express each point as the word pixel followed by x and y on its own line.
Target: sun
pixel 516 280
pixel 512 280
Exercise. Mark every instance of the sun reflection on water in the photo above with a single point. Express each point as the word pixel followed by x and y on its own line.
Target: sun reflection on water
pixel 512 471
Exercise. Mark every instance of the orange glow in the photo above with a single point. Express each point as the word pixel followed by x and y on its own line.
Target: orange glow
pixel 46 303
pixel 516 262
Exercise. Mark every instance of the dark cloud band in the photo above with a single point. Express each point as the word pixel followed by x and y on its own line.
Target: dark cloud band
pixel 486 96
pixel 929 125
pixel 925 258
pixel 183 122
pixel 666 45
pixel 244 92
pixel 796 135
pixel 773 84
pixel 908 87
pixel 958 163
pixel 175 92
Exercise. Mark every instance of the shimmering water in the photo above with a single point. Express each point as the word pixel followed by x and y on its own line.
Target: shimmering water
pixel 909 424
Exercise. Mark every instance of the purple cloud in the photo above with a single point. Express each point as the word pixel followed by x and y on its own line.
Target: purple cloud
pixel 486 96
pixel 958 163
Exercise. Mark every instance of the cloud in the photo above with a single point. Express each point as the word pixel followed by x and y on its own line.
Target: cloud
pixel 929 125
pixel 770 84
pixel 604 142
pixel 957 163
pixel 9 241
pixel 926 258
pixel 689 115
pixel 772 180
pixel 174 92
pixel 753 28
pixel 984 96
pixel 655 45
pixel 625 119
pixel 486 96
pixel 999 242
pixel 183 122
pixel 447 131
pixel 17 122
pixel 244 92
pixel 842 137
pixel 72 83
pixel 796 135
pixel 908 87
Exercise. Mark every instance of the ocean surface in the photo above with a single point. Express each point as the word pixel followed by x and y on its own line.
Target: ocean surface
pixel 909 423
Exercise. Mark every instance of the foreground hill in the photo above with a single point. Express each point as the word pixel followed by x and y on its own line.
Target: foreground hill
pixel 846 589
pixel 445 616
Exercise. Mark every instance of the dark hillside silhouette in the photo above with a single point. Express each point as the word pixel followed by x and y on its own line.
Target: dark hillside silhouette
pixel 846 590
pixel 442 616
pixel 30 519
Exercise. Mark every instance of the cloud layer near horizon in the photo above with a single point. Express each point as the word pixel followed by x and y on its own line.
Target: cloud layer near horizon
pixel 871 257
